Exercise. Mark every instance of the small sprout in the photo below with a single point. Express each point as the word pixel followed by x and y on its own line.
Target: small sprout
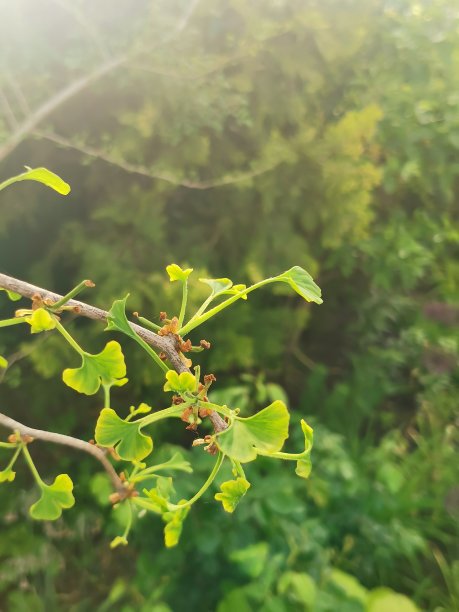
pixel 186 347
pixel 170 328
pixel 89 283
pixel 162 316
pixel 162 356
pixel 205 344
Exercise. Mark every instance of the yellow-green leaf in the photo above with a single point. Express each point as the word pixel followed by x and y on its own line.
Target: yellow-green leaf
pixel 41 320
pixel 180 383
pixel 3 363
pixel 41 175
pixel 176 273
pixel 127 439
pixel 265 431
pixel 232 493
pixel 14 297
pixel 104 368
pixel 7 475
pixel 303 283
pixel 54 498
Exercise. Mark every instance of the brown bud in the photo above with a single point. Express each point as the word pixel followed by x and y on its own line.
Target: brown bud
pixel 204 412
pixel 185 416
pixel 209 379
pixel 114 498
pixel 185 347
pixel 205 344
pixel 89 283
pixel 77 309
pixel 162 316
pixel 135 314
pixel 162 356
pixel 176 400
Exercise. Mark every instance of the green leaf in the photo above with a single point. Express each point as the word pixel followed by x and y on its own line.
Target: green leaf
pixel 41 175
pixel 103 368
pixel 303 283
pixel 232 493
pixel 127 439
pixel 304 465
pixel 117 320
pixel 54 498
pixel 14 297
pixel 174 525
pixel 176 462
pixel 3 363
pixel 7 475
pixel 176 273
pixel 349 585
pixel 265 431
pixel 180 383
pixel 217 285
pixel 40 321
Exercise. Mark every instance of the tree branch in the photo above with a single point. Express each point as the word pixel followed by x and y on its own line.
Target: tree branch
pixel 227 179
pixel 165 344
pixel 57 438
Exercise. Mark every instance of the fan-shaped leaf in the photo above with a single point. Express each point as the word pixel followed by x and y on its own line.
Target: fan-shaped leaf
pixel 127 439
pixel 232 493
pixel 54 498
pixel 103 368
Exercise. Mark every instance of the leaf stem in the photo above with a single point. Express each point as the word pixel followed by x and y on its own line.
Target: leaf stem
pixel 12 321
pixel 204 487
pixel 69 338
pixel 184 301
pixel 7 445
pixel 172 411
pixel 149 324
pixel 71 294
pixel 106 395
pixel 32 467
pixel 13 459
pixel 195 321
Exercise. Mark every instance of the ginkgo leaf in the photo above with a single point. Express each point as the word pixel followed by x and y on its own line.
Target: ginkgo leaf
pixel 174 525
pixel 232 493
pixel 303 283
pixel 3 363
pixel 14 297
pixel 265 431
pixel 303 464
pixel 118 541
pixel 217 285
pixel 176 273
pixel 54 498
pixel 41 175
pixel 41 320
pixel 103 368
pixel 127 439
pixel 180 383
pixel 7 475
pixel 117 320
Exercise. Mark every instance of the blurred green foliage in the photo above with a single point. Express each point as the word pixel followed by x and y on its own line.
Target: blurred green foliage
pixel 331 133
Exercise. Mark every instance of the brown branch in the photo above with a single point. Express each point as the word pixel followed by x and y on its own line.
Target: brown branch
pixel 165 344
pixel 57 438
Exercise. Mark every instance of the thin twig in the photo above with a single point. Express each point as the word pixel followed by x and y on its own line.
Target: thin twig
pixel 228 179
pixel 57 438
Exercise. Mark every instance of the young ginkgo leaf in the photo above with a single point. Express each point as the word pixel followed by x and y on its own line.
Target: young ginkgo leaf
pixel 303 283
pixel 103 368
pixel 232 492
pixel 176 273
pixel 174 525
pixel 265 431
pixel 127 439
pixel 180 383
pixel 217 285
pixel 41 175
pixel 303 464
pixel 7 475
pixel 54 498
pixel 41 320
pixel 3 363
pixel 14 297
